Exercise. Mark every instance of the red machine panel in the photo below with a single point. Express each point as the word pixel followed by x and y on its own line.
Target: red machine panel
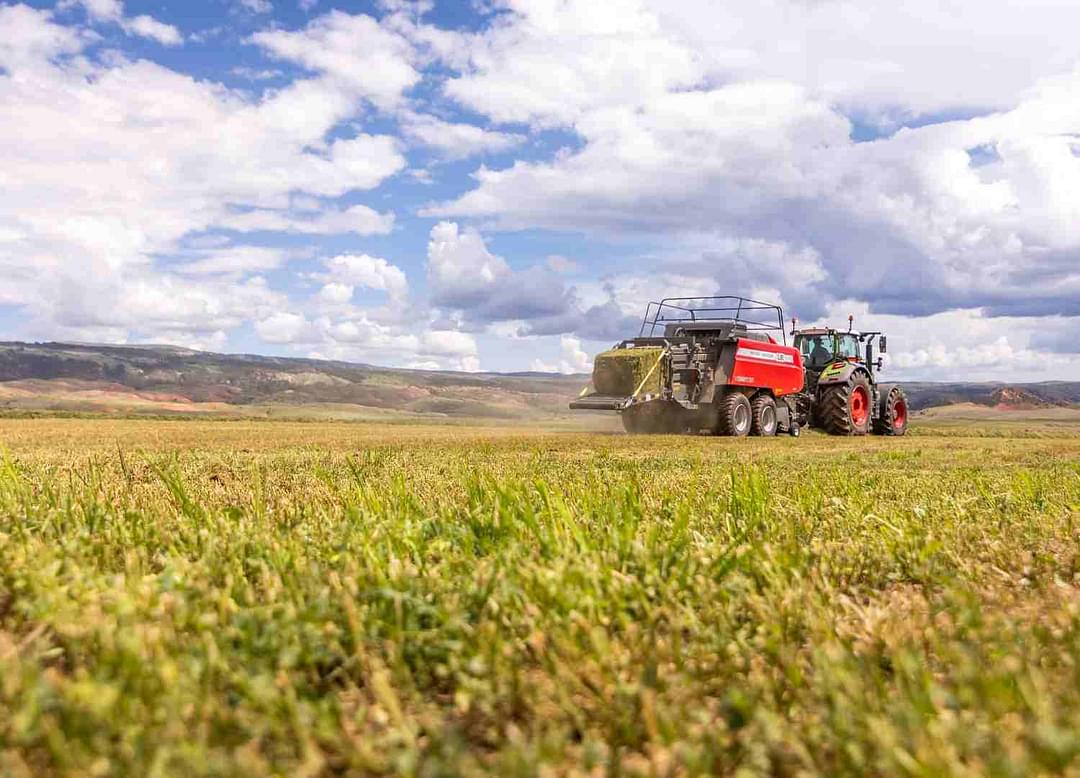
pixel 767 365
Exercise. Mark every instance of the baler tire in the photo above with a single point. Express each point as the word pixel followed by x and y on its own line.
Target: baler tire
pixel 733 415
pixel 835 411
pixel 763 416
pixel 893 420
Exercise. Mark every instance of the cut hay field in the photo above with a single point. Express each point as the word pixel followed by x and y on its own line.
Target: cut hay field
pixel 278 598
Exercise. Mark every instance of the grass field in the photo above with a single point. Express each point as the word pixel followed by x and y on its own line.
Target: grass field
pixel 254 598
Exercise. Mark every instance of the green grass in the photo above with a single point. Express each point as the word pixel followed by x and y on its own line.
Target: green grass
pixel 317 599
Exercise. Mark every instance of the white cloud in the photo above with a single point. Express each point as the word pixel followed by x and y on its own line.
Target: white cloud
pixel 711 146
pixel 573 358
pixel 149 27
pixel 358 219
pixel 123 161
pixel 554 62
pixel 732 153
pixel 283 327
pixel 98 10
pixel 480 288
pixel 336 293
pixel 908 222
pixel 881 58
pixel 460 268
pixel 355 53
pixel 963 345
pixel 256 74
pixel 456 140
pixel 369 272
pixel 551 63
pixel 448 343
pixel 112 11
pixel 237 259
pixel 29 39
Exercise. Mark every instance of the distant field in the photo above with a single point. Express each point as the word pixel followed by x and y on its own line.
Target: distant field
pixel 268 597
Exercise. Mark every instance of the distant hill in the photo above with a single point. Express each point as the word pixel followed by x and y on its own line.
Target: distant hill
pixel 1010 396
pixel 169 379
pixel 67 376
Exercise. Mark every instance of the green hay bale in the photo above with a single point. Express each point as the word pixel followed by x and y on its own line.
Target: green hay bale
pixel 620 371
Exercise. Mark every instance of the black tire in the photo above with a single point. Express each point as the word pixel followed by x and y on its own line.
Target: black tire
pixel 845 409
pixel 894 414
pixel 733 415
pixel 763 416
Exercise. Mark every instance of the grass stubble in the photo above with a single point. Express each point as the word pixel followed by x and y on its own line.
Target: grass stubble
pixel 242 598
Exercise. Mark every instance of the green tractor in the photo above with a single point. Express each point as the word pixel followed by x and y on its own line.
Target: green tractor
pixel 842 395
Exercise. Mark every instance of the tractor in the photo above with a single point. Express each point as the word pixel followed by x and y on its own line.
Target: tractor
pixel 723 365
pixel 842 395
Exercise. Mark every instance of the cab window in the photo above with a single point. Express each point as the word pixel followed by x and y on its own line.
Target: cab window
pixel 849 346
pixel 816 349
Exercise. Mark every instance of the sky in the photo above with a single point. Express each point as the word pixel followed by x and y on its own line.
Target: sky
pixel 504 184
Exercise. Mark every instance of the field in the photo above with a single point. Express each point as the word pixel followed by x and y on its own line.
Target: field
pixel 254 598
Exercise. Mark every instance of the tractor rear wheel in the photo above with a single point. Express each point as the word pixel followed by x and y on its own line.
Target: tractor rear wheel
pixel 845 408
pixel 894 414
pixel 763 416
pixel 733 415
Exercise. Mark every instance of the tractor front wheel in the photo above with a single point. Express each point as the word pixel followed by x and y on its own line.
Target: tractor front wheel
pixel 763 416
pixel 894 414
pixel 845 408
pixel 733 415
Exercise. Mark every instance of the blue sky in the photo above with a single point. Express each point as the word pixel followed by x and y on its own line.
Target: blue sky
pixel 503 185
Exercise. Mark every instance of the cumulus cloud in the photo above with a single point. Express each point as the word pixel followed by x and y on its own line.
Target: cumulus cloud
pixel 908 222
pixel 553 63
pixel 235 259
pixel 123 160
pixel 358 219
pixel 354 52
pixel 284 327
pixel 456 140
pixel 819 154
pixel 573 358
pixel 465 276
pixel 112 11
pixel 370 272
pixel 481 288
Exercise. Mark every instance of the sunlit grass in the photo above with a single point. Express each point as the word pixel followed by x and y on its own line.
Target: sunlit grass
pixel 248 598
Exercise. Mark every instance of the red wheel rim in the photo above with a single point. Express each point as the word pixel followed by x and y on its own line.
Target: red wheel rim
pixel 860 405
pixel 899 414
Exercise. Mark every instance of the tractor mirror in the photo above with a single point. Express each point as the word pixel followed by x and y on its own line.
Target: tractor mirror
pixel 881 344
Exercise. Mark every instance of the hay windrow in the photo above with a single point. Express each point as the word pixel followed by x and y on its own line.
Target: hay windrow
pixel 620 371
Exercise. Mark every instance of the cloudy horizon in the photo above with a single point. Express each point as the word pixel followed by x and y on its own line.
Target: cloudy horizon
pixel 504 184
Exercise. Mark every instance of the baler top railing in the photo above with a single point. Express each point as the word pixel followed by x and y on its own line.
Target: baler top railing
pixel 752 314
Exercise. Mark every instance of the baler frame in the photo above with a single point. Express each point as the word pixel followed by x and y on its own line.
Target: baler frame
pixel 678 310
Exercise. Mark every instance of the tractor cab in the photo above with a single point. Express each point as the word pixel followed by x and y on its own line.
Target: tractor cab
pixel 820 347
